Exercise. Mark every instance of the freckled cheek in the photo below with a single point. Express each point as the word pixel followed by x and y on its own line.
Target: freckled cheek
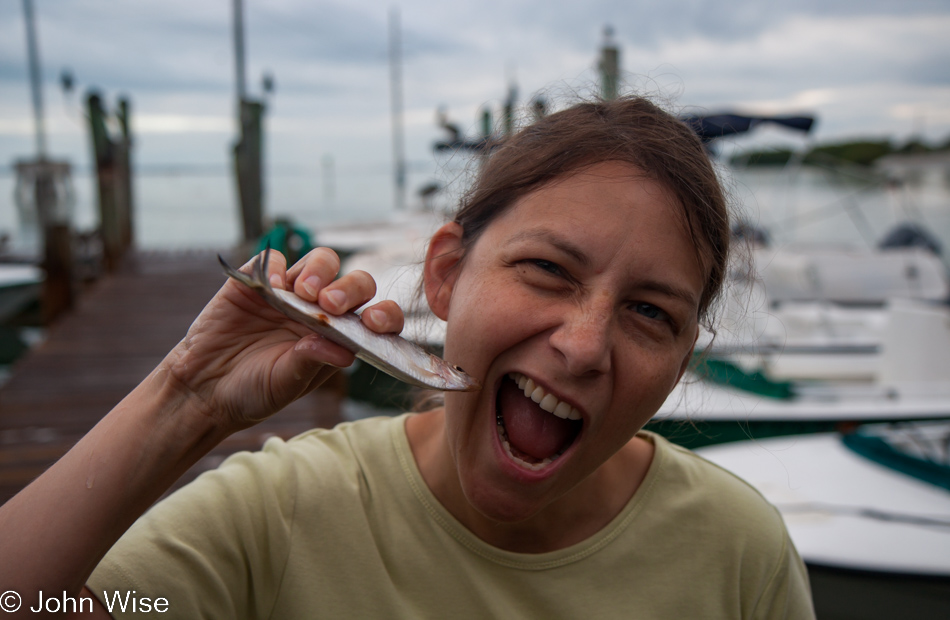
pixel 483 325
pixel 644 381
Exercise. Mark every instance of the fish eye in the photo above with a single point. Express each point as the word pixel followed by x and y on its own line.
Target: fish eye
pixel 459 368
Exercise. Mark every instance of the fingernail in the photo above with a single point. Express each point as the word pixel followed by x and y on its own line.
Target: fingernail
pixel 376 316
pixel 337 297
pixel 276 281
pixel 312 285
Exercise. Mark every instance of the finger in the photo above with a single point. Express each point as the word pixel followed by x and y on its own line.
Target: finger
pixel 320 378
pixel 313 272
pixel 296 372
pixel 276 264
pixel 349 292
pixel 384 317
pixel 314 351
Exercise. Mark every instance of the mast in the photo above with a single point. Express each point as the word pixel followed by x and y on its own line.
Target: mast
pixel 609 66
pixel 239 52
pixel 248 151
pixel 395 92
pixel 36 82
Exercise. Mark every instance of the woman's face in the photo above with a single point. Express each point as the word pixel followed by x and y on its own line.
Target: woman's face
pixel 589 288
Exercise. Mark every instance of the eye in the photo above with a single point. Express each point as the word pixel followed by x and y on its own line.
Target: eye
pixel 546 265
pixel 651 312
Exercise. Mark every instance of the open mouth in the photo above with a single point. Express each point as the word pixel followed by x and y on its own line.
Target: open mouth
pixel 534 426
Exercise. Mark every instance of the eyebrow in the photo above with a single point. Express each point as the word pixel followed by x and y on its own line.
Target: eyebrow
pixel 575 252
pixel 556 240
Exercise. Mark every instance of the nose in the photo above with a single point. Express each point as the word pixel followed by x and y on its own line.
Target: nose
pixel 583 338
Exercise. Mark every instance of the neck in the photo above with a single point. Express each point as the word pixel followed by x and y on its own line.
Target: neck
pixel 570 519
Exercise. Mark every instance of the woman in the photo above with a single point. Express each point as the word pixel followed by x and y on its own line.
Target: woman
pixel 573 282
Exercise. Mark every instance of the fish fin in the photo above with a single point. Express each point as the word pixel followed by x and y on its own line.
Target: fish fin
pixel 230 271
pixel 260 267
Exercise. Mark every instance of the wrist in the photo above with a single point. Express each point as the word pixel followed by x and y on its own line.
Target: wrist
pixel 178 423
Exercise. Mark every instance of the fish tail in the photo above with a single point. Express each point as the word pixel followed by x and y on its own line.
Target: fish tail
pixel 260 267
pixel 243 278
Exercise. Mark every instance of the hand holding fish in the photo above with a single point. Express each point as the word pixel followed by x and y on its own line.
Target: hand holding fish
pixel 242 360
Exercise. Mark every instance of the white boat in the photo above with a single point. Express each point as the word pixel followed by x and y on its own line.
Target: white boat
pixel 820 313
pixel 909 379
pixel 19 286
pixel 869 512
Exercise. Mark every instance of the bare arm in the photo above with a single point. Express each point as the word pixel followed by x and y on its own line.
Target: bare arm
pixel 240 362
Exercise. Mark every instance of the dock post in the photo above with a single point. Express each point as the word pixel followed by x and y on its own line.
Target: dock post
pixel 44 188
pixel 609 66
pixel 104 156
pixel 248 153
pixel 123 159
pixel 57 242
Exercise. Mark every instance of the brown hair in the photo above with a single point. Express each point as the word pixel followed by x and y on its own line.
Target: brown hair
pixel 631 130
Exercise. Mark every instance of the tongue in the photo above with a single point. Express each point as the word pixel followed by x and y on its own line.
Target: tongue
pixel 530 429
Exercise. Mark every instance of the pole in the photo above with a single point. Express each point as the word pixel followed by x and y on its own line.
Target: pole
pixel 248 156
pixel 104 156
pixel 609 66
pixel 248 151
pixel 239 53
pixel 124 171
pixel 395 91
pixel 36 84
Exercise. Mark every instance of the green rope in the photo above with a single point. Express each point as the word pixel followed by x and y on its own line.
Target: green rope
pixel 881 452
pixel 727 373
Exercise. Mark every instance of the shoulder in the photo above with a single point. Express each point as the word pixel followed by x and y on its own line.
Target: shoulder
pixel 318 462
pixel 718 524
pixel 314 462
pixel 237 527
pixel 716 501
pixel 360 444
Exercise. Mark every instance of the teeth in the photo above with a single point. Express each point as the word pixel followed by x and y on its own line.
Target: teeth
pixel 548 402
pixel 532 466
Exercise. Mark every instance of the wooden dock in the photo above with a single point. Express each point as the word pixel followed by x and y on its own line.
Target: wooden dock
pixel 91 358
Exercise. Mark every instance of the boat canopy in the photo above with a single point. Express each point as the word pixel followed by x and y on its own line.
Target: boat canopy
pixel 712 126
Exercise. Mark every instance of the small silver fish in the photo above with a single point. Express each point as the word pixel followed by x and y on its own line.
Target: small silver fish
pixel 390 353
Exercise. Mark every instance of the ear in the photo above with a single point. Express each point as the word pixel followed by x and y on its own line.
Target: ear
pixel 443 259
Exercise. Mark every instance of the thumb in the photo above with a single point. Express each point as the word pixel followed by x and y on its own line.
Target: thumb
pixel 312 359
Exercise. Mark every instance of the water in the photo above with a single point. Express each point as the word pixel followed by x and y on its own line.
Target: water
pixel 813 206
pixel 197 209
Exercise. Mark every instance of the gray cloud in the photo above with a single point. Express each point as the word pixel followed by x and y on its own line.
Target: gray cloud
pixel 329 58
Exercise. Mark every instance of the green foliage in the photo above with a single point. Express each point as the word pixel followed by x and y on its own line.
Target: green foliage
pixel 914 147
pixel 863 153
pixel 774 157
pixel 859 152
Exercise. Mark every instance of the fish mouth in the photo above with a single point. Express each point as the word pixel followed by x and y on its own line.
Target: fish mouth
pixel 535 428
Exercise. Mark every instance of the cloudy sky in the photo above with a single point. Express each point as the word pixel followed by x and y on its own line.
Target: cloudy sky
pixel 866 68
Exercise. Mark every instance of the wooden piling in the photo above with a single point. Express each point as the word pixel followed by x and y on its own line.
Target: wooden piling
pixel 248 153
pixel 49 197
pixel 113 172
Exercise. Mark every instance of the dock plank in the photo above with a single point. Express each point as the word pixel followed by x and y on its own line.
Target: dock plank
pixel 92 357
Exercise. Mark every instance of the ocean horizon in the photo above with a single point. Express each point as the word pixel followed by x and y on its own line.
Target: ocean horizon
pixel 193 207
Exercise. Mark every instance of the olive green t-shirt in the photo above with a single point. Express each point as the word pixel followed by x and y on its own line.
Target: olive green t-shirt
pixel 339 524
